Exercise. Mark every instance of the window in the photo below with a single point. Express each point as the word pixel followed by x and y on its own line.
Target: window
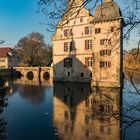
pixel 68 62
pixel 81 19
pixel 68 32
pixel 105 52
pixel 88 44
pixel 68 46
pixel 82 74
pixel 90 74
pixel 2 60
pixel 105 64
pixel 97 30
pixel 88 61
pixel 88 30
pixel 105 41
pixel 112 29
pixel 68 74
pixel 66 114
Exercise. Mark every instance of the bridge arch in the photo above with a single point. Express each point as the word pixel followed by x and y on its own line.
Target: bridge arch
pixel 30 75
pixel 32 72
pixel 46 75
pixel 18 74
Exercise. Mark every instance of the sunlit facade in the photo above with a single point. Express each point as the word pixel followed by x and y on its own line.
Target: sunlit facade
pixel 89 48
pixel 107 26
pixel 72 46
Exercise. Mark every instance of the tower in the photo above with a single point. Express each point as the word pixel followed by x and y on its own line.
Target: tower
pixel 107 51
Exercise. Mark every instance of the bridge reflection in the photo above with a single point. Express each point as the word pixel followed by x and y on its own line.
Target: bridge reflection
pixel 84 115
pixel 32 90
pixel 35 81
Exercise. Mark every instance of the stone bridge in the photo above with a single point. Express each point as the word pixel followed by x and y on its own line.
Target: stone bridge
pixel 31 72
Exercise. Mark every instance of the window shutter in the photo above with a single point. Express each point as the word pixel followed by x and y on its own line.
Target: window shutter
pixel 64 32
pixel 109 41
pixel 109 52
pixel 95 31
pixel 101 42
pixel 109 64
pixel 86 61
pixel 112 29
pixel 101 53
pixel 86 44
pixel 71 32
pixel 65 47
pixel 71 46
pixel 86 30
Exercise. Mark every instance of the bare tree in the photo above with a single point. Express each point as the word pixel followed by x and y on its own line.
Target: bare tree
pixel 2 41
pixel 56 10
pixel 33 51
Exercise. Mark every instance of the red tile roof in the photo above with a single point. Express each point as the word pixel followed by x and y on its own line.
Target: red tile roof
pixel 4 52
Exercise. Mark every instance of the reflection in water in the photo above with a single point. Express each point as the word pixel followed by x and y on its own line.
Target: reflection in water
pixel 73 112
pixel 35 81
pixel 3 103
pixel 2 129
pixel 82 115
pixel 32 93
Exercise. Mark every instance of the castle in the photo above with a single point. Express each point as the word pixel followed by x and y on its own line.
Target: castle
pixel 88 48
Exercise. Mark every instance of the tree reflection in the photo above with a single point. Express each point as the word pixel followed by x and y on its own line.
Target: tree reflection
pixel 82 114
pixel 131 105
pixel 32 93
pixel 3 103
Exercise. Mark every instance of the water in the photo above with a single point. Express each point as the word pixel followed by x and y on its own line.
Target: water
pixel 70 111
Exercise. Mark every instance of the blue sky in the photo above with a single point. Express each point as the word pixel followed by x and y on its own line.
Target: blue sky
pixel 18 18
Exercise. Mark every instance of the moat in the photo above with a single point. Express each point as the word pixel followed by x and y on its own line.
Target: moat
pixel 67 111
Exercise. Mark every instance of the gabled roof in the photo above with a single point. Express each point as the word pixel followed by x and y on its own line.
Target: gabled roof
pixel 4 52
pixel 107 11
